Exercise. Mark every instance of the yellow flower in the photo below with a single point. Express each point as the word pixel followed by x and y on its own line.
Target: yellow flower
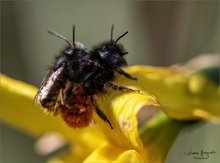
pixel 181 96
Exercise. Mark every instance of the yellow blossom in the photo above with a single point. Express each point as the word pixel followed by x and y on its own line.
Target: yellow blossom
pixel 181 96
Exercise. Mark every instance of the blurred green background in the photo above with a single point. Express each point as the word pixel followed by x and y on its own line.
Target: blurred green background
pixel 161 33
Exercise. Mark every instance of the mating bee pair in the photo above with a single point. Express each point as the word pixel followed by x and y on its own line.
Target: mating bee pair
pixel 77 76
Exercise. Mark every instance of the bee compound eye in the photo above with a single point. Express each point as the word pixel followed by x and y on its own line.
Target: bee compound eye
pixel 69 52
pixel 103 54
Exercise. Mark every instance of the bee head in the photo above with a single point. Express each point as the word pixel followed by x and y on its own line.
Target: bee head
pixel 72 52
pixel 111 52
pixel 74 49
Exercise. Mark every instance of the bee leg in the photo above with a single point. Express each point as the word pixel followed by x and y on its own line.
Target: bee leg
pixel 119 87
pixel 66 92
pixel 56 109
pixel 62 99
pixel 120 71
pixel 99 112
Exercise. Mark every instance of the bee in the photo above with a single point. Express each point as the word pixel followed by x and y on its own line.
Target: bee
pixel 77 77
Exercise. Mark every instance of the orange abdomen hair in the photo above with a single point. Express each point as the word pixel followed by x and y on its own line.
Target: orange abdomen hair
pixel 77 111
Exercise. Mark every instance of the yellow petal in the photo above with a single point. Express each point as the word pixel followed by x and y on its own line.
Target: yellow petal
pixel 182 95
pixel 121 109
pixel 17 109
pixel 158 135
pixel 108 153
pixel 76 154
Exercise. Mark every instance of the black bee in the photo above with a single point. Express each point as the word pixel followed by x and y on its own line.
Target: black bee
pixel 77 76
pixel 55 80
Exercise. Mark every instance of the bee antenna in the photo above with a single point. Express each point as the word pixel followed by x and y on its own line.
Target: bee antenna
pixel 112 29
pixel 124 53
pixel 121 36
pixel 60 36
pixel 74 34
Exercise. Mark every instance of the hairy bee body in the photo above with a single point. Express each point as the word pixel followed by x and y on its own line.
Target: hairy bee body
pixel 77 109
pixel 77 76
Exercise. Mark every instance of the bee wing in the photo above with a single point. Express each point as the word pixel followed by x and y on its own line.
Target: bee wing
pixel 43 84
pixel 49 84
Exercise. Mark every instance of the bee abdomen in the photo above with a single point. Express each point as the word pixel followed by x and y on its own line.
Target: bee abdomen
pixel 78 116
pixel 77 110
